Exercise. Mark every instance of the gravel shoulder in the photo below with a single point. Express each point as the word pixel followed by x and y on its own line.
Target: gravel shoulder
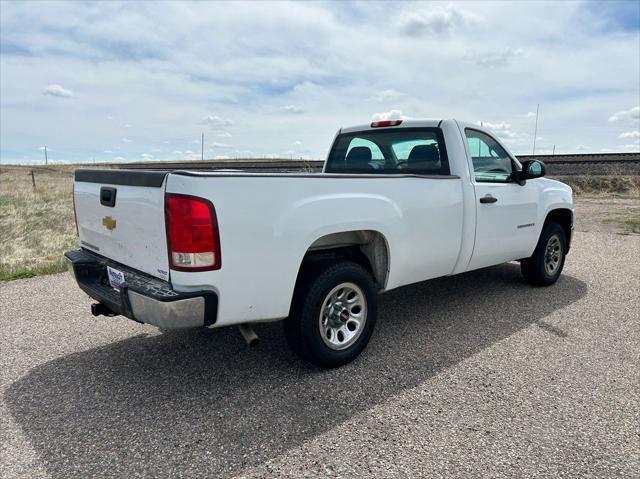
pixel 594 213
pixel 469 376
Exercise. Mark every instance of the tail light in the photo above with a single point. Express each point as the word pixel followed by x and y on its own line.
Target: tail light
pixel 192 234
pixel 382 123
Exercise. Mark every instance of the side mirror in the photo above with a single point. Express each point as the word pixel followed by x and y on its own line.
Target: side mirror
pixel 531 169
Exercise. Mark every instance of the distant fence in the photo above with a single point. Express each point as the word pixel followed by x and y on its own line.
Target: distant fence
pixel 589 164
pixel 557 165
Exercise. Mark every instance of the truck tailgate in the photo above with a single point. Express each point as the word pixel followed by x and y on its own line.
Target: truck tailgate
pixel 121 216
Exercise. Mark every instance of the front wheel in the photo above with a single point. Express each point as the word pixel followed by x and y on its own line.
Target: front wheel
pixel 333 314
pixel 543 268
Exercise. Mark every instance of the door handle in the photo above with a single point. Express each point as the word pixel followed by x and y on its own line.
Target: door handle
pixel 108 196
pixel 488 199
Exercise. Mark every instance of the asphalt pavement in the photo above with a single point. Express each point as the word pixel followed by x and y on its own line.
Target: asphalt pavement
pixel 478 375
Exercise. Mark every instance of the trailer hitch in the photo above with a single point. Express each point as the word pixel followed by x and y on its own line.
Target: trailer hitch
pixel 99 309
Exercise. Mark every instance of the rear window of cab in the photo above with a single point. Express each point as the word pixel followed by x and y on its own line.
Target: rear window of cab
pixel 390 151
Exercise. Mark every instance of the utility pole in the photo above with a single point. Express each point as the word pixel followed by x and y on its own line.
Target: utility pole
pixel 202 147
pixel 46 159
pixel 554 150
pixel 535 133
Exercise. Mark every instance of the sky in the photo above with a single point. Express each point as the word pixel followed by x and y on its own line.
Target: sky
pixel 133 81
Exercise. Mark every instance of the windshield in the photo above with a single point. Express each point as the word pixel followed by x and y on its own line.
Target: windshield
pixel 388 151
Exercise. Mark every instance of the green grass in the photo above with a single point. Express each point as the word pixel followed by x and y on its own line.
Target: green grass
pixel 628 219
pixel 49 267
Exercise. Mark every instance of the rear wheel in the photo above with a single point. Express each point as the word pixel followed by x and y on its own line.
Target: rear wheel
pixel 333 314
pixel 543 268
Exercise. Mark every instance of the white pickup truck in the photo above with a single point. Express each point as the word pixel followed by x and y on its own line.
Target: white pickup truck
pixel 398 202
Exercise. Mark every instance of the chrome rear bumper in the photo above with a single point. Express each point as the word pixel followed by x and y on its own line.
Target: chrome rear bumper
pixel 142 298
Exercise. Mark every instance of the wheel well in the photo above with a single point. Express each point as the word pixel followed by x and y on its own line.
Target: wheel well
pixel 366 247
pixel 564 218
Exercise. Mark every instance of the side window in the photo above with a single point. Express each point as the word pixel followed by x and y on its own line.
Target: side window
pixel 491 162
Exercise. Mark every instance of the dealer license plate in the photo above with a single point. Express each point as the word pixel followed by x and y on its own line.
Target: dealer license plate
pixel 116 277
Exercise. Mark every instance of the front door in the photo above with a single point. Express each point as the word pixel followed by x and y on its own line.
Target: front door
pixel 505 211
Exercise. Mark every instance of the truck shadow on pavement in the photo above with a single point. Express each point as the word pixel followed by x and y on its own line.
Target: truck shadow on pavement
pixel 198 403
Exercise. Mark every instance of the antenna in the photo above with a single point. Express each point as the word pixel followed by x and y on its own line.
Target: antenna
pixel 202 147
pixel 46 159
pixel 535 133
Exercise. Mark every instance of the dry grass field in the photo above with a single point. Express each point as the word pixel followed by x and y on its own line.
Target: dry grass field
pixel 37 224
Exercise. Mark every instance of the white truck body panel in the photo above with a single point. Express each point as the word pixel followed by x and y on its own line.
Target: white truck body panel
pixel 260 258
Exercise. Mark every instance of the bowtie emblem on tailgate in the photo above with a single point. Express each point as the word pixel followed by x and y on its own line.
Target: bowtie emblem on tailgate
pixel 109 223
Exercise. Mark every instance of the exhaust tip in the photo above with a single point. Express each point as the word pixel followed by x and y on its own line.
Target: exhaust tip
pixel 249 335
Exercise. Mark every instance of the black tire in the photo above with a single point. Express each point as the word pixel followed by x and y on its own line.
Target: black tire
pixel 303 328
pixel 536 270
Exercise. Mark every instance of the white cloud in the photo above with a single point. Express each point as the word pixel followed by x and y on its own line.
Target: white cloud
pixel 57 90
pixel 216 121
pixel 436 20
pixel 170 81
pixel 222 157
pixel 630 134
pixel 632 114
pixel 296 110
pixel 126 126
pixel 530 114
pixel 176 152
pixel 297 143
pixel 119 158
pixel 107 151
pixel 221 145
pixel 386 95
pixel 223 134
pixel 502 129
pixel 388 115
pixel 496 59
pixel 126 140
